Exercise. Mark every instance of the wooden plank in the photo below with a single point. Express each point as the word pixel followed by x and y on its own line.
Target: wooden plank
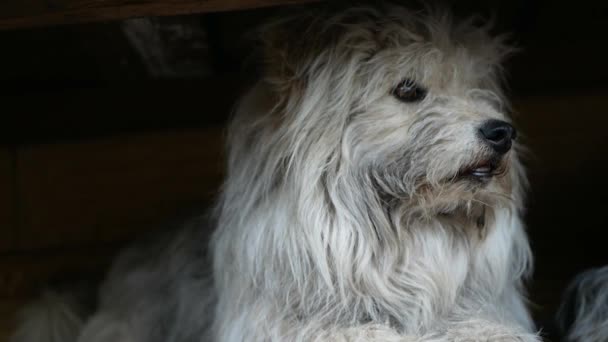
pixel 113 189
pixel 563 132
pixel 33 13
pixel 97 112
pixel 565 210
pixel 8 313
pixel 7 209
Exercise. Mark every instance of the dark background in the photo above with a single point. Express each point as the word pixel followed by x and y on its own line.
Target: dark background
pixel 109 129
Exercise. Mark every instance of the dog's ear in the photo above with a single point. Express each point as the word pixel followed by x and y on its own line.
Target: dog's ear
pixel 492 48
pixel 281 49
pixel 302 41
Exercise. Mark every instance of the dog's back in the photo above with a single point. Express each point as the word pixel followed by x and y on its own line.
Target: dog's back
pixel 583 315
pixel 148 295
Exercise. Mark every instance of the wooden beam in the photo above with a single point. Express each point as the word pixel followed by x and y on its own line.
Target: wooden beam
pixel 131 108
pixel 36 13
pixel 7 205
pixel 108 190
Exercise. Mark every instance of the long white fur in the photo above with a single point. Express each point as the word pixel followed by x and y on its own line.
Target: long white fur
pixel 54 318
pixel 343 216
pixel 304 219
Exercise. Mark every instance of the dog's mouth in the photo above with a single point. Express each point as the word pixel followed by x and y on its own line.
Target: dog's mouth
pixel 483 171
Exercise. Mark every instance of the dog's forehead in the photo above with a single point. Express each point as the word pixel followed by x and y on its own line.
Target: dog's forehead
pixel 440 54
pixel 436 66
pixel 380 48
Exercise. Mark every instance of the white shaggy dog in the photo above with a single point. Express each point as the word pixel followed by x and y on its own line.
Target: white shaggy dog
pixel 373 194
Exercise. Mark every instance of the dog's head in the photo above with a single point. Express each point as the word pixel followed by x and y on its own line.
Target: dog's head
pixel 373 132
pixel 409 104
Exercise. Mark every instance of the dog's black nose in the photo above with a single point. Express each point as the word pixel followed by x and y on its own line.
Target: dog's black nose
pixel 498 134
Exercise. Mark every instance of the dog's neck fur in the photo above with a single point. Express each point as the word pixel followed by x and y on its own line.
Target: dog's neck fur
pixel 323 253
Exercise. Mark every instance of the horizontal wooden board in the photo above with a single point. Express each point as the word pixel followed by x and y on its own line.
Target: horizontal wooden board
pixel 33 13
pixel 7 192
pixel 111 189
pixel 564 133
pixel 567 164
pixel 94 112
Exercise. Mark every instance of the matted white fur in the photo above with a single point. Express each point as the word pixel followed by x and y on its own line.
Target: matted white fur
pixel 348 215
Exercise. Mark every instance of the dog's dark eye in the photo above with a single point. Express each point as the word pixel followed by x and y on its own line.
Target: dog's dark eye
pixel 409 91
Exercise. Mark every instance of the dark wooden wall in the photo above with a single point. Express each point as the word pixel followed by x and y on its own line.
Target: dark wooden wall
pixel 96 150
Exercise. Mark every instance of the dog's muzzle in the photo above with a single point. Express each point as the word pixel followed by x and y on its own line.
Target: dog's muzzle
pixel 499 136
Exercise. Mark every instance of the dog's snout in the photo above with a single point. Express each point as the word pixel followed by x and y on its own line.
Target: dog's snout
pixel 498 134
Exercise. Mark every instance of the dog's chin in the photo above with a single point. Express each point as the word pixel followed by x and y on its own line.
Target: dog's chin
pixel 472 188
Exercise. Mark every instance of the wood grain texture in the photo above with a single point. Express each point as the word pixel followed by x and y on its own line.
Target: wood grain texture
pixel 112 189
pixel 7 207
pixel 34 13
